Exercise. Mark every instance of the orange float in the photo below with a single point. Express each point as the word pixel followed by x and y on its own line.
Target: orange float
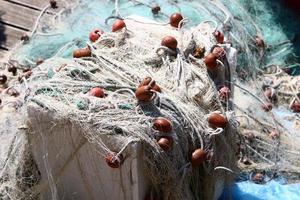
pixel 165 143
pixel 163 125
pixel 85 52
pixel 211 62
pixel 95 35
pixel 198 157
pixel 119 24
pixel 219 37
pixel 218 51
pixel 153 86
pixel 113 160
pixel 216 120
pixel 295 106
pixel 175 19
pixel 224 93
pixel 144 93
pixel 169 42
pixel 97 92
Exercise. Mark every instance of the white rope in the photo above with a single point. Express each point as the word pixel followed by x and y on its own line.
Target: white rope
pixel 38 19
pixel 223 168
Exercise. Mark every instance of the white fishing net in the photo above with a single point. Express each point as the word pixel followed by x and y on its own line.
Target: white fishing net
pixel 58 90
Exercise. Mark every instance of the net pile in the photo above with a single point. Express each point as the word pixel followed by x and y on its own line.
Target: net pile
pixel 119 63
pixel 187 94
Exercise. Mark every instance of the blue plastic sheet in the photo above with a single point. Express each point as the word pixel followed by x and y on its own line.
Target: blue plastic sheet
pixel 273 190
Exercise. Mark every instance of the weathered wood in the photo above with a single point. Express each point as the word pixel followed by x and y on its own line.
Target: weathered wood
pixel 37 4
pixel 2 53
pixel 13 35
pixel 17 15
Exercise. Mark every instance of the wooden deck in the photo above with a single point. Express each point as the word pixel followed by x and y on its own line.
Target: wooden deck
pixel 17 17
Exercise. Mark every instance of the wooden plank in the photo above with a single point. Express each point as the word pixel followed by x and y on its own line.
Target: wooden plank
pixel 37 4
pixel 17 15
pixel 13 36
pixel 3 53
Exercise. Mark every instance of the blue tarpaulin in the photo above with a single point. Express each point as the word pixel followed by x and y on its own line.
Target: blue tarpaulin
pixel 273 190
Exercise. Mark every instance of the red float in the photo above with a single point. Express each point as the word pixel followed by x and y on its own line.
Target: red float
pixel 224 93
pixel 118 25
pixel 95 35
pixel 198 157
pixel 211 62
pixel 163 125
pixel 219 37
pixel 295 106
pixel 175 19
pixel 97 92
pixel 219 51
pixel 144 93
pixel 216 120
pixel 113 160
pixel 153 86
pixel 169 42
pixel 85 52
pixel 165 143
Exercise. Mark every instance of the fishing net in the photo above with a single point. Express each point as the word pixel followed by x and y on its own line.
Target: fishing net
pixel 55 96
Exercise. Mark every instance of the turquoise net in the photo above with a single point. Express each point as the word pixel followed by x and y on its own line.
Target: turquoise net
pixel 248 18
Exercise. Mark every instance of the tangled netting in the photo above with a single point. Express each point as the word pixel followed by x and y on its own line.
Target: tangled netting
pixel 120 61
pixel 188 97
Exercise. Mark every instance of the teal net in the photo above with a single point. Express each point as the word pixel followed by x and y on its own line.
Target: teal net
pixel 246 19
